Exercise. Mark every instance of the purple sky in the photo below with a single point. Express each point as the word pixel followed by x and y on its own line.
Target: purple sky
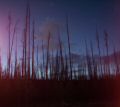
pixel 84 16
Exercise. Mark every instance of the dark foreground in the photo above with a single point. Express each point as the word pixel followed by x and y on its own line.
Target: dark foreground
pixel 51 93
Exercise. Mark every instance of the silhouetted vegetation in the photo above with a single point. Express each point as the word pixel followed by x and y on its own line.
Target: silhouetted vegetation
pixel 57 64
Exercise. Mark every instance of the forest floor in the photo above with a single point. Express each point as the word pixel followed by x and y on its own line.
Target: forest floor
pixel 53 93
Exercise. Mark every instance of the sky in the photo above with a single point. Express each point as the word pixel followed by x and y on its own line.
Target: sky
pixel 84 16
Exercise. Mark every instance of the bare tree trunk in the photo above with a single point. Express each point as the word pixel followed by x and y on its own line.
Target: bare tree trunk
pixel 57 67
pixel 33 49
pixel 11 47
pixel 61 56
pixel 99 52
pixel 94 70
pixel 88 61
pixel 68 36
pixel 27 43
pixel 16 57
pixel 9 43
pixel 23 57
pixel 47 60
pixel 0 66
pixel 116 62
pixel 51 64
pixel 37 59
pixel 25 54
pixel 43 63
pixel 107 52
pixel 28 27
pixel 66 66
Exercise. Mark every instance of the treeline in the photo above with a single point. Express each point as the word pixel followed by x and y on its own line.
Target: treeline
pixel 58 64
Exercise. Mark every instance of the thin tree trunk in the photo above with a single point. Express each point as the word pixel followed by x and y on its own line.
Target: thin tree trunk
pixel 88 61
pixel 94 70
pixel 37 59
pixel 23 57
pixel 61 56
pixel 28 27
pixel 33 46
pixel 9 42
pixel 107 52
pixel 116 62
pixel 68 36
pixel 99 52
pixel 0 66
pixel 47 60
pixel 43 63
pixel 16 57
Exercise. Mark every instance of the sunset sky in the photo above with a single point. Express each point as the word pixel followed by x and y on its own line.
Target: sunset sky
pixel 84 17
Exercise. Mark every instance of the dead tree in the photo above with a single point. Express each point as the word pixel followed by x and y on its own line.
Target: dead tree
pixel 107 51
pixel 9 42
pixel 116 61
pixel 66 66
pixel 33 49
pixel 88 61
pixel 47 58
pixel 69 47
pixel 37 59
pixel 28 28
pixel 99 52
pixel 56 74
pixel 16 58
pixel 43 59
pixel 61 56
pixel 23 56
pixel 94 68
pixel 12 41
pixel 27 43
pixel 0 67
